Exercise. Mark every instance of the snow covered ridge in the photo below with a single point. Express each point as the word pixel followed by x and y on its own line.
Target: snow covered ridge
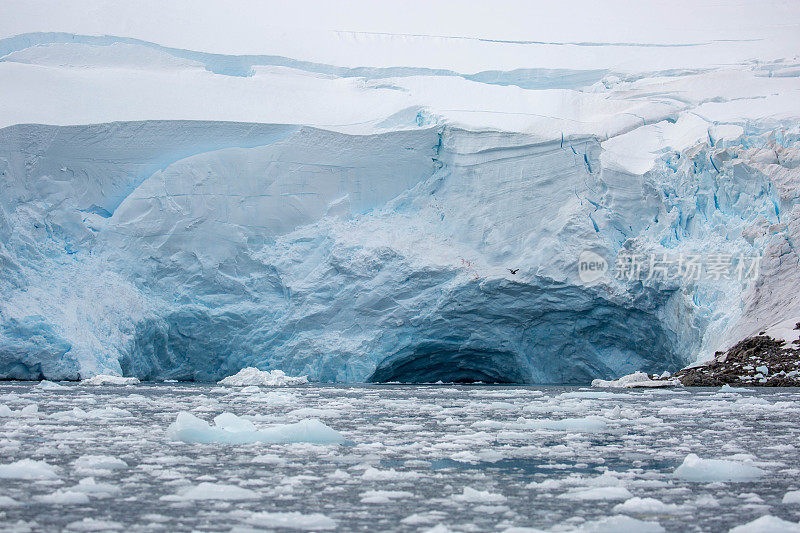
pixel 254 377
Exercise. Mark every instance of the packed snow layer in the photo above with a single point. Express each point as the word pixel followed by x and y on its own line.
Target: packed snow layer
pixel 383 205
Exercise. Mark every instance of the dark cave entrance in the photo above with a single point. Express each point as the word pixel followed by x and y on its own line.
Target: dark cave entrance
pixel 432 364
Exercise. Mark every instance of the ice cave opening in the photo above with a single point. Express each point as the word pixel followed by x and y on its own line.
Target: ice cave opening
pixel 433 363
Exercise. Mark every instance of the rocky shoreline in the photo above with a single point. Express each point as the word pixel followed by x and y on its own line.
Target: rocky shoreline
pixel 759 361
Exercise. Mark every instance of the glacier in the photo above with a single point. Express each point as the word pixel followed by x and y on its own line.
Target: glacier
pixel 176 211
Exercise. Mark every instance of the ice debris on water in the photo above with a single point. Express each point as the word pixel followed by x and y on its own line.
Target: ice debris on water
pixel 251 376
pixel 50 385
pixel 635 380
pixel 231 429
pixel 27 411
pixel 420 456
pixel 768 524
pixel 791 497
pixel 109 379
pixel 695 468
pixel 99 462
pixel 6 501
pixel 610 524
pixel 213 491
pixel 640 506
pixel 28 469
pixel 292 520
pixel 470 495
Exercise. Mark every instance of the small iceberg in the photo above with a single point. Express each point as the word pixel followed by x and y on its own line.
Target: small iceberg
pixel 291 520
pixel 250 376
pixel 635 380
pixel 231 429
pixel 213 491
pixel 50 385
pixel 29 470
pixel 701 470
pixel 108 379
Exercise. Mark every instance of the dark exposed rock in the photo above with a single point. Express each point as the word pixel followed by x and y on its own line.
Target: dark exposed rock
pixel 756 361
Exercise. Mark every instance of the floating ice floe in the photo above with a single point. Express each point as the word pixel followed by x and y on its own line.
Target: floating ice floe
pixel 108 379
pixel 231 429
pixel 90 487
pixel 384 496
pixel 610 524
pixel 6 501
pixel 252 376
pixel 768 524
pixel 50 385
pixel 635 380
pixel 638 506
pixel 697 469
pixel 791 497
pixel 587 424
pixel 620 524
pixel 64 497
pixel 28 469
pixel 99 462
pixel 78 414
pixel 728 388
pixel 30 410
pixel 292 520
pixel 597 494
pixel 373 474
pixel 214 491
pixel 471 495
pixel 93 524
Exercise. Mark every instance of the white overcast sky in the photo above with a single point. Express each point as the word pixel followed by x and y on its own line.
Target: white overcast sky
pixel 253 26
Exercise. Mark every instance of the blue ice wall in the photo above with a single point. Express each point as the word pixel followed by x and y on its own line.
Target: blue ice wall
pixel 189 250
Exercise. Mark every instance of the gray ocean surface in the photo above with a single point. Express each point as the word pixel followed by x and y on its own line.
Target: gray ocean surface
pixel 415 458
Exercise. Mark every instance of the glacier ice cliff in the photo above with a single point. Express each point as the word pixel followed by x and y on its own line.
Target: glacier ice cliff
pixel 183 215
pixel 385 257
